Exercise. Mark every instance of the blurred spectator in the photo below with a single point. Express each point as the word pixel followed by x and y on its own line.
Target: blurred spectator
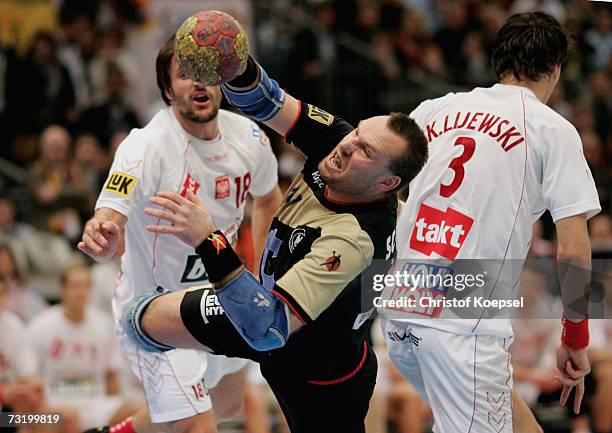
pixel 114 114
pixel 18 389
pixel 75 48
pixel 600 232
pixel 451 37
pixel 49 92
pixel 59 186
pixel 312 58
pixel 40 254
pixel 21 299
pixel 11 102
pixel 92 159
pixel 600 37
pixel 78 357
pixel 602 103
pixel 540 247
pixel 111 49
pixel 477 70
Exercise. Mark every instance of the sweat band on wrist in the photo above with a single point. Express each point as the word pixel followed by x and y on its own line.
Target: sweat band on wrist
pixel 218 256
pixel 575 335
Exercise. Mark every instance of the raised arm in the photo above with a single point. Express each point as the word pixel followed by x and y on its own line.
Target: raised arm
pixel 261 98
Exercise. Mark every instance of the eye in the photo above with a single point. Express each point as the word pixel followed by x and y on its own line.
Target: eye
pixel 365 149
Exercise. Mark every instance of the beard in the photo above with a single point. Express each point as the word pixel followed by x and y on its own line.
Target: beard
pixel 190 114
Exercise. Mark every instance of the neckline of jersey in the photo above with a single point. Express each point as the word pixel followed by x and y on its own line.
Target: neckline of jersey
pixel 513 86
pixel 192 138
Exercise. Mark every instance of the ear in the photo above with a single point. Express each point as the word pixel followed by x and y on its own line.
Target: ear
pixel 169 94
pixel 390 183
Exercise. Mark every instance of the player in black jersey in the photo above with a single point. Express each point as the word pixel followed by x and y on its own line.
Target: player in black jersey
pixel 306 319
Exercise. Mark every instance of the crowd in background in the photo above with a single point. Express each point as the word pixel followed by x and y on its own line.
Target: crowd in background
pixel 66 103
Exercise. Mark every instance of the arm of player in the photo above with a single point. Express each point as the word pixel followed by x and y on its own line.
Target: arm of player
pixel 260 317
pixel 264 209
pixel 574 268
pixel 261 98
pixel 102 234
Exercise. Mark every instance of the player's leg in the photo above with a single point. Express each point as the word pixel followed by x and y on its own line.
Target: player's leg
pixel 523 420
pixel 335 406
pixel 228 396
pixel 467 379
pixel 174 388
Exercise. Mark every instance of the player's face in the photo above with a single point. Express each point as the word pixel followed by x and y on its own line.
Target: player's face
pixel 76 290
pixel 359 164
pixel 192 100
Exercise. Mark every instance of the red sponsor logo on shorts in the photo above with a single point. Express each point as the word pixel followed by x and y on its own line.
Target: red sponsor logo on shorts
pixel 440 232
pixel 222 187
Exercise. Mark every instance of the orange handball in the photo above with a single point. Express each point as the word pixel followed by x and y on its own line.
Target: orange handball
pixel 211 47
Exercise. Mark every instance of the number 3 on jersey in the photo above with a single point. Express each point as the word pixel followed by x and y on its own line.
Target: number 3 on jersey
pixel 469 146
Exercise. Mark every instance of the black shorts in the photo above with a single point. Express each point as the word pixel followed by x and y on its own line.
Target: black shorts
pixel 324 408
pixel 333 406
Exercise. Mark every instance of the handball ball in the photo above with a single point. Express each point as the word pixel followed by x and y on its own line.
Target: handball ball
pixel 211 47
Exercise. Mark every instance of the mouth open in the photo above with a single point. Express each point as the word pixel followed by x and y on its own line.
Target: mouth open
pixel 201 98
pixel 334 161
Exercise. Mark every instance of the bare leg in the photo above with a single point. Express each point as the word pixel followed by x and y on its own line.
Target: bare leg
pixel 256 418
pixel 162 322
pixel 523 420
pixel 228 396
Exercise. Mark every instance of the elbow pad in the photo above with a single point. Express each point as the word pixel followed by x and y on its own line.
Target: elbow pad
pixel 259 317
pixel 260 103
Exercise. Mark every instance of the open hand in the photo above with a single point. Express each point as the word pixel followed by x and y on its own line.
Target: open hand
pixel 190 222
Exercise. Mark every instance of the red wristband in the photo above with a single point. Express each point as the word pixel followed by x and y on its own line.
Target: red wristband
pixel 575 335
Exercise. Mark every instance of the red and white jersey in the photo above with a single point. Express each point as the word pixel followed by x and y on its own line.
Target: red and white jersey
pixel 164 157
pixel 73 358
pixel 498 158
pixel 16 358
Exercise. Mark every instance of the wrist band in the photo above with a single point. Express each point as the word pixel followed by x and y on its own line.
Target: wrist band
pixel 575 335
pixel 218 256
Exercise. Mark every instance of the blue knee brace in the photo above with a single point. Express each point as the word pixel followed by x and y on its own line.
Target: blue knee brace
pixel 258 316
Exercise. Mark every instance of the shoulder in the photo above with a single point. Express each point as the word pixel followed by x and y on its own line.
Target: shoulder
pixel 10 322
pixel 430 107
pixel 242 133
pixel 237 126
pixel 97 316
pixel 545 121
pixel 154 134
pixel 46 319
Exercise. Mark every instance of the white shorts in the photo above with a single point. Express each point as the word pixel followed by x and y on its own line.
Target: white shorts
pixel 466 379
pixel 176 382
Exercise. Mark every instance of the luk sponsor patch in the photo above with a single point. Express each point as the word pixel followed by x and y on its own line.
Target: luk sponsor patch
pixel 120 184
pixel 321 116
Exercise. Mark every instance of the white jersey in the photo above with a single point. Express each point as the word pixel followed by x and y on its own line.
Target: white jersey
pixel 16 359
pixel 73 358
pixel 498 158
pixel 164 157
